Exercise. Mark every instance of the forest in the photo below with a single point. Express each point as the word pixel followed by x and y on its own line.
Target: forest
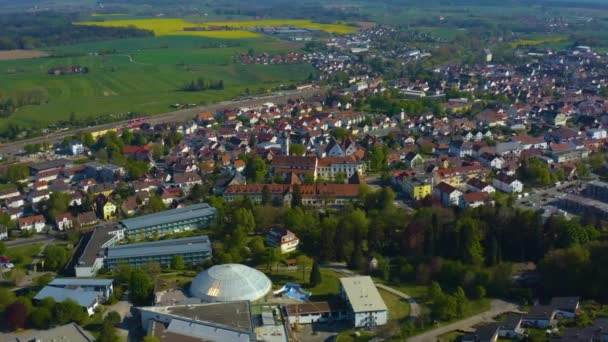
pixel 43 30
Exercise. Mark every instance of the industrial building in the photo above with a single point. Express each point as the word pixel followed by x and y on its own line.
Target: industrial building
pixel 178 220
pixel 193 250
pixel 366 307
pixel 230 282
pixel 93 254
pixel 214 322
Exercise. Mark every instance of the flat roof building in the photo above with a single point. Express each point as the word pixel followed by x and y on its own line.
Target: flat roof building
pixel 364 301
pixel 93 254
pixel 208 322
pixel 194 251
pixel 178 220
pixel 88 300
pixel 71 332
pixel 101 286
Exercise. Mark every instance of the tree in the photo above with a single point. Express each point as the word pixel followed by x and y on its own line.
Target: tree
pixel 140 287
pixel 266 196
pixel 470 237
pixel 255 169
pixel 55 257
pixel 16 316
pixel 158 151
pixel 315 275
pixel 113 317
pixel 42 318
pixel 177 263
pixel 297 149
pixel 58 203
pixel 303 263
pixel 69 311
pixel 7 298
pixel 17 172
pixel 296 199
pixel 244 219
pixel 156 204
pixel 461 302
pixel 108 333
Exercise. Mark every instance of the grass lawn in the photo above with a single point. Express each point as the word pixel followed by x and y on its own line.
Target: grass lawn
pixel 349 336
pixel 328 289
pixel 22 256
pixel 7 186
pixel 398 308
pixel 451 336
pixel 172 281
pixel 142 75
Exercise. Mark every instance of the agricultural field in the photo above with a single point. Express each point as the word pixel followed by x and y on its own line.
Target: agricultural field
pixel 230 29
pixel 8 55
pixel 141 75
pixel 537 41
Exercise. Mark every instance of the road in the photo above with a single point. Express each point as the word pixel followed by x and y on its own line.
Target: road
pixel 32 240
pixel 497 307
pixel 176 116
pixel 414 306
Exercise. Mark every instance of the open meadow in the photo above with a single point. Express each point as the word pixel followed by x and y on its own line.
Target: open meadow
pixel 141 75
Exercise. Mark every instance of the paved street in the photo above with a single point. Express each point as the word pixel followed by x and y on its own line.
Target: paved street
pixel 497 307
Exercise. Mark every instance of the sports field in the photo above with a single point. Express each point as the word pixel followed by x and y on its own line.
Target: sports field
pixel 142 75
pixel 215 29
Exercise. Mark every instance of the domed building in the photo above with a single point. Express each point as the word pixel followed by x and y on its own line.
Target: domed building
pixel 230 282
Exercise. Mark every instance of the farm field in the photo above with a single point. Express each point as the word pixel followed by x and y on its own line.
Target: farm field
pixel 236 29
pixel 8 55
pixel 141 75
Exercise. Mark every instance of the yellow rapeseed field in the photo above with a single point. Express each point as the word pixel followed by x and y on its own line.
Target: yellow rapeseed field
pixel 238 29
pixel 529 42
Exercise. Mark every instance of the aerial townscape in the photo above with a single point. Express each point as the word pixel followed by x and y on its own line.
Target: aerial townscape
pixel 321 170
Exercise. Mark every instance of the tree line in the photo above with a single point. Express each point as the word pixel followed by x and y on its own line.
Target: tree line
pixel 201 84
pixel 44 29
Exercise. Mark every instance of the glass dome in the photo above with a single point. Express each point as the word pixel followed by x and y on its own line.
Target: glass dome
pixel 230 282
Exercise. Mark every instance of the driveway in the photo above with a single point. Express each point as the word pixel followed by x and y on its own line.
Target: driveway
pixel 497 307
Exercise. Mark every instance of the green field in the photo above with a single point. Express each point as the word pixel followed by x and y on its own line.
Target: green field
pixel 22 256
pixel 328 289
pixel 142 75
pixel 398 308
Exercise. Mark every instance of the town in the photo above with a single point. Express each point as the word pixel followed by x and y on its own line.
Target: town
pixel 395 193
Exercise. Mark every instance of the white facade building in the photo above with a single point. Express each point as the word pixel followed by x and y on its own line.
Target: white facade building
pixel 367 309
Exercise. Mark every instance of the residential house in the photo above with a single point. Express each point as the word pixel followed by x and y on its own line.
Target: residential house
pixel 485 333
pixel 447 194
pixel 282 238
pixel 105 209
pixel 64 221
pixel 477 185
pixel 474 199
pixel 3 232
pixel 75 147
pixel 186 180
pixel 36 223
pixel 511 327
pixel 87 219
pixel 540 316
pixel 417 187
pixel 565 307
pixel 460 148
pixel 508 184
pixel 413 159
